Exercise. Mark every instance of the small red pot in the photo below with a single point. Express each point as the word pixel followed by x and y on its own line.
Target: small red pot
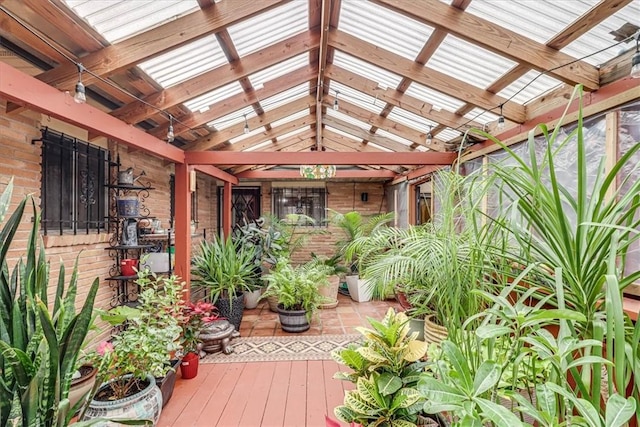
pixel 128 266
pixel 189 366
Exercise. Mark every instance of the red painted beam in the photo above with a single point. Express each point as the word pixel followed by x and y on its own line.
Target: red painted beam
pixel 417 173
pixel 216 173
pixel 316 158
pixel 289 174
pixel 18 87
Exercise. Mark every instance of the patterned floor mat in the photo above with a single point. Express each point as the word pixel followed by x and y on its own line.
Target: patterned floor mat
pixel 273 349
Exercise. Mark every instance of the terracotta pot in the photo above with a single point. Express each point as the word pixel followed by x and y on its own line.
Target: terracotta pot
pixel 330 292
pixel 433 333
pixel 82 385
pixel 189 366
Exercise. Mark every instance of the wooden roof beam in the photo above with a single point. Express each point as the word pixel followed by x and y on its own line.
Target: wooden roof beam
pixel 220 137
pixel 497 39
pixel 149 44
pixel 340 174
pixel 364 134
pixel 316 157
pixel 138 110
pixel 268 134
pixel 431 78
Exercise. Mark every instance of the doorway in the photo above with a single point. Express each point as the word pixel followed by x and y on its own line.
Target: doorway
pixel 245 206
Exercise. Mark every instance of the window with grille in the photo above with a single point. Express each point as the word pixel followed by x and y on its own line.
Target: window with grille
pixel 73 185
pixel 306 201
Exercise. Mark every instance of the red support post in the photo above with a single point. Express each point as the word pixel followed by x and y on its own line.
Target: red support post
pixel 226 209
pixel 182 226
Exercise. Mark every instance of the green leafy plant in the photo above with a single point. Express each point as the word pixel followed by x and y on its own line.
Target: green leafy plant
pixel 296 287
pixel 224 267
pixel 39 344
pixel 385 369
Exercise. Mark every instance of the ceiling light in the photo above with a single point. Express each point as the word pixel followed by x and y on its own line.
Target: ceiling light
pixel 246 129
pixel 80 96
pixel 317 171
pixel 429 136
pixel 501 119
pixel 336 107
pixel 170 135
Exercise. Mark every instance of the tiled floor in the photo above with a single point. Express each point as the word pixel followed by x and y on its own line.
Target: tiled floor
pixel 262 322
pixel 270 394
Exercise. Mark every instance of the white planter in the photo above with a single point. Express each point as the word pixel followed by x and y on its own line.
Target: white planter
pixel 359 289
pixel 251 298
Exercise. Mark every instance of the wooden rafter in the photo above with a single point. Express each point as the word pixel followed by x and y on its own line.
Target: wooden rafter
pixel 269 134
pixel 431 78
pixel 364 134
pixel 340 174
pixel 322 63
pixel 497 39
pixel 211 80
pixel 161 39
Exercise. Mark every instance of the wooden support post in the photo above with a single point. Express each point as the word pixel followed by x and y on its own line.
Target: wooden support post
pixel 226 209
pixel 182 226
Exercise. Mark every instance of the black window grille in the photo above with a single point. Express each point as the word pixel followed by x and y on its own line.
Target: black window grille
pixel 306 201
pixel 73 184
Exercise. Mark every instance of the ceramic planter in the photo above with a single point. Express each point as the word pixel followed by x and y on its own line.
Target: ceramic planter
pixel 293 320
pixel 433 333
pixel 359 289
pixel 145 404
pixel 417 325
pixel 82 385
pixel 251 299
pixel 231 309
pixel 168 382
pixel 330 292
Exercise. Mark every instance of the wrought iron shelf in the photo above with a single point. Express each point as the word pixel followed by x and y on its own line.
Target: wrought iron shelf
pixel 126 247
pixel 129 187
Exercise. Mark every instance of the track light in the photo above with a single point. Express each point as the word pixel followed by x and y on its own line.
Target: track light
pixel 336 107
pixel 635 61
pixel 429 136
pixel 501 119
pixel 170 135
pixel 80 96
pixel 246 129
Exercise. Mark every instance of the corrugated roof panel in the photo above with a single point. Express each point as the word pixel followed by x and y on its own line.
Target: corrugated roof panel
pixel 380 147
pixel 292 117
pixel 539 20
pixel 410 119
pixel 468 62
pixel 437 99
pixel 118 20
pixel 244 136
pixel 233 118
pixel 481 116
pixel 542 85
pixel 270 27
pixel 280 69
pixel 355 97
pixel 214 96
pixel 394 137
pixel 600 37
pixel 348 119
pixel 372 72
pixel 185 62
pixel 285 97
pixel 259 146
pixel 383 27
pixel 448 134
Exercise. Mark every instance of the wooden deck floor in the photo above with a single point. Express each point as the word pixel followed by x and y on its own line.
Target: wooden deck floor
pixel 269 394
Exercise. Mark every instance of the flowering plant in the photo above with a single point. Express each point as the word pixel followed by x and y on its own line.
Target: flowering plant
pixel 193 317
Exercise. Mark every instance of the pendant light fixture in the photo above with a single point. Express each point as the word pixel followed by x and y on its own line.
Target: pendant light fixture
pixel 246 129
pixel 501 119
pixel 170 135
pixel 336 107
pixel 80 96
pixel 429 136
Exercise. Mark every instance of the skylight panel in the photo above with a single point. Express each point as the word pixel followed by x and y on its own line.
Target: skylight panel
pixel 244 136
pixel 540 86
pixel 383 27
pixel 292 117
pixel 233 118
pixel 372 72
pixel 448 134
pixel 293 133
pixel 380 147
pixel 185 62
pixel 118 20
pixel 214 96
pixel 269 27
pixel 437 99
pixel 259 146
pixel 355 97
pixel 468 62
pixel 285 97
pixel 394 137
pixel 280 69
pixel 411 120
pixel 481 116
pixel 348 119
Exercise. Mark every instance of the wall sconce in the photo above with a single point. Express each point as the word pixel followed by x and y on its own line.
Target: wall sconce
pixel 192 181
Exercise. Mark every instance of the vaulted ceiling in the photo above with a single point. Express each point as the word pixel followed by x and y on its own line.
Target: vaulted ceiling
pixel 394 76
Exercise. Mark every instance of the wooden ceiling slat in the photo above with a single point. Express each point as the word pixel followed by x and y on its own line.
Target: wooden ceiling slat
pixel 138 110
pixel 588 20
pixel 158 40
pixel 497 39
pixel 219 138
pixel 365 134
pixel 398 99
pixel 268 134
pixel 431 78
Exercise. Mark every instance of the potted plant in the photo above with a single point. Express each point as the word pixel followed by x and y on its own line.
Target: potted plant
pixel 297 291
pixel 226 270
pixel 334 270
pixel 356 226
pixel 192 319
pixel 385 368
